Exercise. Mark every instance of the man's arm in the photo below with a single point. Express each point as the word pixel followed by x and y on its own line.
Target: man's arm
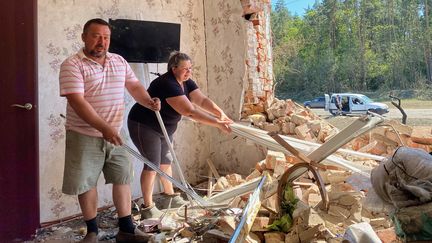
pixel 140 94
pixel 86 112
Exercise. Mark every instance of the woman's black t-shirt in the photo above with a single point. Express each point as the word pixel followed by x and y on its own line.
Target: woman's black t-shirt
pixel 163 87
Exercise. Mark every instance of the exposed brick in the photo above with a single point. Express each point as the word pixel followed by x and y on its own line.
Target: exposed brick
pixel 422 135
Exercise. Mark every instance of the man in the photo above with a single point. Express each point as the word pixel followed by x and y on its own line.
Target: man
pixel 339 104
pixel 93 81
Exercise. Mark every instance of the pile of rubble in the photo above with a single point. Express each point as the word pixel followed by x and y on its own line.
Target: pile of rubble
pixel 384 140
pixel 311 223
pixel 347 201
pixel 289 118
pixel 338 205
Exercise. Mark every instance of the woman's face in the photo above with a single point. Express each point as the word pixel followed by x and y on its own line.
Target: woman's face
pixel 183 71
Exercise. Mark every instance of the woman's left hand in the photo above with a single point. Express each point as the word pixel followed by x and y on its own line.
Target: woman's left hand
pixel 224 125
pixel 224 117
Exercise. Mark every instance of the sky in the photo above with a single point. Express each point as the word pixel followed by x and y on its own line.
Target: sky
pixel 298 6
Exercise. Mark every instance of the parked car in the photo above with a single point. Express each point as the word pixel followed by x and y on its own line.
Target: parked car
pixel 318 102
pixel 354 104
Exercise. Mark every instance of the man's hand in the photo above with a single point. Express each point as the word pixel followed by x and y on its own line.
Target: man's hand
pixel 89 115
pixel 140 94
pixel 154 104
pixel 111 135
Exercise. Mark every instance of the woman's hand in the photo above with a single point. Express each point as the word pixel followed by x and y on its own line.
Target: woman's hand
pixel 224 125
pixel 224 117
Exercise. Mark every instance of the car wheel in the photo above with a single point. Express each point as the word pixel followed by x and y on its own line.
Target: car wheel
pixel 374 111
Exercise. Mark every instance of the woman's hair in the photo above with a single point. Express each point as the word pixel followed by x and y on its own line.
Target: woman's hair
pixel 175 58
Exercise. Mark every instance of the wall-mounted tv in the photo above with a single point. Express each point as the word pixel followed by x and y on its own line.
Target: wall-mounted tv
pixel 144 41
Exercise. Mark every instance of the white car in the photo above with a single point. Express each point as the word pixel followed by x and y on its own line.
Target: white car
pixel 354 104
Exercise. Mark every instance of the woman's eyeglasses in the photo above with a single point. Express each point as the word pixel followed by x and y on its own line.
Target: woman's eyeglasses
pixel 186 69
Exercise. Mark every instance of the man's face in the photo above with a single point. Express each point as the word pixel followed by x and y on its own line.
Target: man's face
pixel 96 40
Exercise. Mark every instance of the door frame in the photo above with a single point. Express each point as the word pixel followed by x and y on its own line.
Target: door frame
pixel 19 169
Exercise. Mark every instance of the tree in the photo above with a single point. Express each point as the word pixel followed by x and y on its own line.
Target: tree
pixel 351 45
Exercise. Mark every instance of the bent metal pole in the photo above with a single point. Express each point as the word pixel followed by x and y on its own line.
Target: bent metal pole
pixel 187 190
pixel 170 146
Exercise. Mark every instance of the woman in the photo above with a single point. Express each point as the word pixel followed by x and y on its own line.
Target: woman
pixel 178 94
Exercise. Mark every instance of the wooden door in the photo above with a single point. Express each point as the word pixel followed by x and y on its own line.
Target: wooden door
pixel 19 169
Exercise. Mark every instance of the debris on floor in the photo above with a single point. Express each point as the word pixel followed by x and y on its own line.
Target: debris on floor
pixel 329 202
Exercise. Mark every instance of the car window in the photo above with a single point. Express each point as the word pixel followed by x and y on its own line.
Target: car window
pixel 366 99
pixel 357 101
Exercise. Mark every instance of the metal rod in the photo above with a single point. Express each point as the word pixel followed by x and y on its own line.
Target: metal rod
pixel 248 211
pixel 170 146
pixel 188 191
pixel 262 138
pixel 302 144
pixel 238 190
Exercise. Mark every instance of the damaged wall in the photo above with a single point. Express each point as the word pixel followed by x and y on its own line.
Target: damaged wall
pixel 258 92
pixel 216 40
pixel 249 71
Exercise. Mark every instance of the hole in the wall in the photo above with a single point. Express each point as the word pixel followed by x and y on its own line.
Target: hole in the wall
pixel 247 16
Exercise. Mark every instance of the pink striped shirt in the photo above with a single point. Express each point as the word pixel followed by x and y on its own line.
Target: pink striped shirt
pixel 102 87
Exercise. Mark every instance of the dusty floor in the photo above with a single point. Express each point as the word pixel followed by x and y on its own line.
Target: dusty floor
pixel 74 230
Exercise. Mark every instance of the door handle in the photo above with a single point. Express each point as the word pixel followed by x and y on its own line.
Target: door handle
pixel 26 106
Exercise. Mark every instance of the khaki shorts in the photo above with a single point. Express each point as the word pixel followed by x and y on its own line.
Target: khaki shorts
pixel 86 157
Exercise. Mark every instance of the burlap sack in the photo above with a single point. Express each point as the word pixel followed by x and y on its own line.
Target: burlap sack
pixel 404 179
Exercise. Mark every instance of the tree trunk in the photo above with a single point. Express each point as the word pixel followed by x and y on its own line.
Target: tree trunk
pixel 428 58
pixel 399 106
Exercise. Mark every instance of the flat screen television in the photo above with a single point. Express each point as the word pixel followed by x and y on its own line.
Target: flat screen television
pixel 144 41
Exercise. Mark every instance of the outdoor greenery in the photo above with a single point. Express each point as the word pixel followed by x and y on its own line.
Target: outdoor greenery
pixel 352 46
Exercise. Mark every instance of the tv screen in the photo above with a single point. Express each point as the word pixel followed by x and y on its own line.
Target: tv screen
pixel 144 41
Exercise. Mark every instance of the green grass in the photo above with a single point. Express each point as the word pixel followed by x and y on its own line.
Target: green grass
pixel 412 104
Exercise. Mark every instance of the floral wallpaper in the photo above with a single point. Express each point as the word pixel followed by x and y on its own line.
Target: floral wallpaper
pixel 227 39
pixel 212 32
pixel 60 25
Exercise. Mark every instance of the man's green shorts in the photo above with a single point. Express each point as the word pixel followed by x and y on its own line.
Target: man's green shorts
pixel 86 157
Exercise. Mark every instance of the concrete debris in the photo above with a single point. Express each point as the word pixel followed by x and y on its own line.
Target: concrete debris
pixel 422 135
pixel 274 237
pixel 310 224
pixel 289 118
pixel 361 232
pixel 260 224
pixel 387 235
pixel 354 209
